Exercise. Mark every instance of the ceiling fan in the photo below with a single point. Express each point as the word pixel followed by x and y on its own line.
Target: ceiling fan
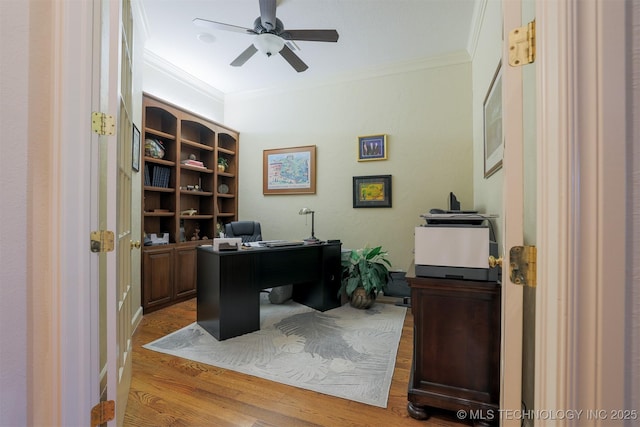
pixel 270 36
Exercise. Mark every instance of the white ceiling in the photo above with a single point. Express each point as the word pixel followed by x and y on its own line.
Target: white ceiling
pixel 373 34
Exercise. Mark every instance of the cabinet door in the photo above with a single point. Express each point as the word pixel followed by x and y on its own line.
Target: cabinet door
pixel 185 278
pixel 158 276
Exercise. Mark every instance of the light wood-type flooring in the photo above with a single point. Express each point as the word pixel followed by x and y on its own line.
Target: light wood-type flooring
pixel 171 391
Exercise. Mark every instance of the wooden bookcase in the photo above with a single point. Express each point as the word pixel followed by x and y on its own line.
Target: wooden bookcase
pixel 182 201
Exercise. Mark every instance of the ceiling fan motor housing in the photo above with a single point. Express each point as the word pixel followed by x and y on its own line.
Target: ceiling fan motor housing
pixel 258 28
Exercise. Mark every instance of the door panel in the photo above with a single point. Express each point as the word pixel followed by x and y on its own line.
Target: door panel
pixel 158 276
pixel 512 295
pixel 185 279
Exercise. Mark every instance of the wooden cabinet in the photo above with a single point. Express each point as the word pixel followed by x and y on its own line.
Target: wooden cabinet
pixel 456 357
pixel 186 197
pixel 185 272
pixel 157 284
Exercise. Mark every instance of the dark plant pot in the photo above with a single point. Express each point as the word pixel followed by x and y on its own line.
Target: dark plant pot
pixel 361 299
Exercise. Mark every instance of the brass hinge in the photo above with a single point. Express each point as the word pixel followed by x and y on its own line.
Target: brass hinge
pixel 522 265
pixel 102 241
pixel 522 45
pixel 103 412
pixel 103 124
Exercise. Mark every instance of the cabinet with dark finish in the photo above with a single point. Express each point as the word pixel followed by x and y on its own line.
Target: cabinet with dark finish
pixel 185 268
pixel 456 356
pixel 157 286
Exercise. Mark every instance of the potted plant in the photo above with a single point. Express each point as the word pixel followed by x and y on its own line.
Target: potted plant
pixel 365 272
pixel 223 164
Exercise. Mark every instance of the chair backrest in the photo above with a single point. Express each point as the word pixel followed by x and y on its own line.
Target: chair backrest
pixel 249 231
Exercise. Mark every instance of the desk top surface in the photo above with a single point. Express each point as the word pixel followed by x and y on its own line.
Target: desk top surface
pixel 252 249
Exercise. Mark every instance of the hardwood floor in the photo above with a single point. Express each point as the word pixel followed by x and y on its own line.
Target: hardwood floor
pixel 170 391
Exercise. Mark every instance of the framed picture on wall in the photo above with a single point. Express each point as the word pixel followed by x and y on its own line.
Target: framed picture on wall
pixel 372 147
pixel 135 149
pixel 493 138
pixel 289 170
pixel 373 191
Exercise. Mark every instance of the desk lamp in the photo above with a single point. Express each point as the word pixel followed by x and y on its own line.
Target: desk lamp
pixel 307 211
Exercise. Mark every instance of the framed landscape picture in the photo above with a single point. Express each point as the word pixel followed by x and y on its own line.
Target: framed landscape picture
pixel 289 170
pixel 373 191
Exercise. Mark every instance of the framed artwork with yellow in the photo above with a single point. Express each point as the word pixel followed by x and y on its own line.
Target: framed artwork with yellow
pixel 372 191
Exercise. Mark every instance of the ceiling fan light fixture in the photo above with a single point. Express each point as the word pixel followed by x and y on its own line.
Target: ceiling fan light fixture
pixel 269 44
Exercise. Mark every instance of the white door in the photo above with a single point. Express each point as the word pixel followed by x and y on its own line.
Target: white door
pixel 128 245
pixel 114 202
pixel 529 219
pixel 512 295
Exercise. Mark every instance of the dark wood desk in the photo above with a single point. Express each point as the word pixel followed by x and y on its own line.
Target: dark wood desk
pixel 229 283
pixel 456 356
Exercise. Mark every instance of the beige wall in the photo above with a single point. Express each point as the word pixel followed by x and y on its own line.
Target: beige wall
pixel 488 52
pixel 426 113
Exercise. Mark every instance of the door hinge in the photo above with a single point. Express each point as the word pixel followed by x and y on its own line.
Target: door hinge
pixel 522 45
pixel 522 265
pixel 102 123
pixel 102 241
pixel 103 412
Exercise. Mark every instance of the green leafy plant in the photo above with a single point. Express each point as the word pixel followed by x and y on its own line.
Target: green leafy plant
pixel 223 161
pixel 367 268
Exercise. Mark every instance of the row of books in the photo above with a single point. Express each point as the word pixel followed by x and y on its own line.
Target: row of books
pixel 156 176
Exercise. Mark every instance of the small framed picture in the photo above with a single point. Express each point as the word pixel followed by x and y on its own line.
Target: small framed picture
pixel 372 147
pixel 373 191
pixel 135 149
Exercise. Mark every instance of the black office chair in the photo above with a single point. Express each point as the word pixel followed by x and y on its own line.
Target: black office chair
pixel 249 231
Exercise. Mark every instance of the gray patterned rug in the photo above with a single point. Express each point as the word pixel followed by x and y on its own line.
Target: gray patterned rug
pixel 344 352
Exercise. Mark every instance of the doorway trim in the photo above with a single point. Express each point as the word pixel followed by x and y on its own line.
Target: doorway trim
pixel 580 348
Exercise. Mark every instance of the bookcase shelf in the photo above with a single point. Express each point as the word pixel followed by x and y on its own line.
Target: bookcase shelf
pixel 171 187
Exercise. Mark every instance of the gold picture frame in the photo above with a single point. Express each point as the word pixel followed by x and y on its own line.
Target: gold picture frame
pixel 372 147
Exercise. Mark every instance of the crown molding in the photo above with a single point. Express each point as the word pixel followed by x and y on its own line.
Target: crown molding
pixel 456 58
pixel 476 27
pixel 166 67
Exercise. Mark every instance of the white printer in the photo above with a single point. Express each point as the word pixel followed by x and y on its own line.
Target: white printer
pixel 456 245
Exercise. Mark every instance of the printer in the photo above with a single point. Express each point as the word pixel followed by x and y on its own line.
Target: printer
pixel 456 245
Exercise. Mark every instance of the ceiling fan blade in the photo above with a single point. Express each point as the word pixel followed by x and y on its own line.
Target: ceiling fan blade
pixel 244 56
pixel 213 25
pixel 311 35
pixel 293 59
pixel 268 14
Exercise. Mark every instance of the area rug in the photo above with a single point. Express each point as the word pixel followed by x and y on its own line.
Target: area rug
pixel 344 352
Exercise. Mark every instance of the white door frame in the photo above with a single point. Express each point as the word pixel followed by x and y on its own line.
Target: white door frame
pixel 73 366
pixel 578 233
pixel 580 320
